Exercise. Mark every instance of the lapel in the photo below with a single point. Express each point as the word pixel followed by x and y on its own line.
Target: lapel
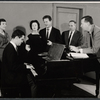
pixel 66 37
pixel 74 36
pixel 45 32
pixel 96 29
pixel 14 49
pixel 51 33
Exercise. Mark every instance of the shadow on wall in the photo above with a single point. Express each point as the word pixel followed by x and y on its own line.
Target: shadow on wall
pixel 17 27
pixel 20 28
pixel 64 27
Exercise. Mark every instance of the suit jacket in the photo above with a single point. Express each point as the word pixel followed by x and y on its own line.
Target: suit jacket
pixel 76 40
pixel 4 39
pixel 96 42
pixel 13 70
pixel 55 35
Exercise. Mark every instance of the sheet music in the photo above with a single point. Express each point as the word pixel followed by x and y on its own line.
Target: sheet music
pixel 32 69
pixel 34 72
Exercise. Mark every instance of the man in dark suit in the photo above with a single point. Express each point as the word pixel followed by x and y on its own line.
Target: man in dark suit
pixel 50 34
pixel 15 73
pixel 72 36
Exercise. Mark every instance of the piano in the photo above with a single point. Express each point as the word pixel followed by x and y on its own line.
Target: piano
pixel 69 67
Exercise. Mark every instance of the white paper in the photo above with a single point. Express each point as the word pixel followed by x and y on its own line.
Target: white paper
pixel 79 55
pixel 34 72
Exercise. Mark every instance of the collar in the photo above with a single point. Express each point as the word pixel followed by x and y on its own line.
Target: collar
pixel 72 31
pixel 49 28
pixel 13 44
pixel 92 29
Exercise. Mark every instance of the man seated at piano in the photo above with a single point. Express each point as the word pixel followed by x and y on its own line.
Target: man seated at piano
pixel 16 73
pixel 72 36
pixel 93 33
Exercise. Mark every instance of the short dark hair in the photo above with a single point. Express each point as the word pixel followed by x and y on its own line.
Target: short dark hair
pixel 88 19
pixel 47 16
pixel 72 21
pixel 2 20
pixel 18 33
pixel 34 21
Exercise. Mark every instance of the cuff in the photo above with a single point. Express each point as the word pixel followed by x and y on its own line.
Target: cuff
pixel 81 50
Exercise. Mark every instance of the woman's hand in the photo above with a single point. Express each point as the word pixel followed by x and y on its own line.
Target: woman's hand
pixel 27 47
pixel 49 42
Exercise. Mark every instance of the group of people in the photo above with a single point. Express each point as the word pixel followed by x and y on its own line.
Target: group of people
pixel 16 72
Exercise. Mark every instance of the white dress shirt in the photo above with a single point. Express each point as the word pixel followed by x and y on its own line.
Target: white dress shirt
pixel 71 36
pixel 14 45
pixel 50 28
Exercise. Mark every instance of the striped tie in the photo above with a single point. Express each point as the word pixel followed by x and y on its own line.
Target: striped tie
pixel 69 37
pixel 47 33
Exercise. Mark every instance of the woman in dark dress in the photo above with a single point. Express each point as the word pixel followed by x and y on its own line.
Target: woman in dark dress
pixel 35 45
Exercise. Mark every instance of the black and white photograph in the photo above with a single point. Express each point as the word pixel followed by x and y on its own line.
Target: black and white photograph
pixel 49 49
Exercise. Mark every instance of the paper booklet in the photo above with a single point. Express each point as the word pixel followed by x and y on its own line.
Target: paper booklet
pixel 34 72
pixel 78 55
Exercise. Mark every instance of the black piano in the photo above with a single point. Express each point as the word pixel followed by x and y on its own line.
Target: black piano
pixel 68 68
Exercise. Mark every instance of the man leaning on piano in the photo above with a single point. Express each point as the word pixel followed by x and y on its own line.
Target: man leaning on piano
pixel 92 40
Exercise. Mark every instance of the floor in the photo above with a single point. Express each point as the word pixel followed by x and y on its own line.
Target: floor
pixel 83 89
pixel 88 86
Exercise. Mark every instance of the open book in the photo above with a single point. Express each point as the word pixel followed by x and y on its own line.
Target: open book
pixel 78 55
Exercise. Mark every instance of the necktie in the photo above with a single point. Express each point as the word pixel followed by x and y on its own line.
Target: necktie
pixel 17 49
pixel 69 37
pixel 47 33
pixel 91 41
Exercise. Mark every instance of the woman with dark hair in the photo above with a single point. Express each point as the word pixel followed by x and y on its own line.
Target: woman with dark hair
pixel 35 45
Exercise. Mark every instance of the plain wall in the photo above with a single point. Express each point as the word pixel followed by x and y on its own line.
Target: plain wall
pixel 92 9
pixel 20 14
